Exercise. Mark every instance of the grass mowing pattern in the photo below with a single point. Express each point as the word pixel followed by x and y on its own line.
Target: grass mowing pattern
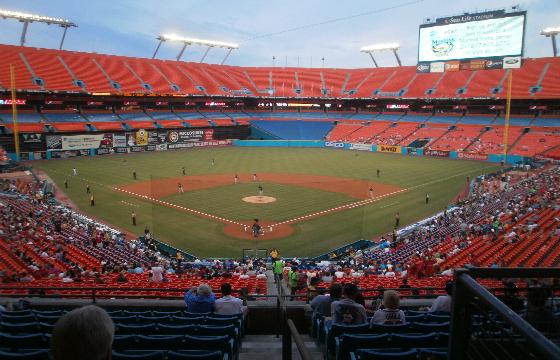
pixel 442 178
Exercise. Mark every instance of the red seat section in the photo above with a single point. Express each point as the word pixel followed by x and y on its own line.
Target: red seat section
pixel 131 74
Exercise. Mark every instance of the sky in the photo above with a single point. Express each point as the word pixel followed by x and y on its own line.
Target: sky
pixel 296 33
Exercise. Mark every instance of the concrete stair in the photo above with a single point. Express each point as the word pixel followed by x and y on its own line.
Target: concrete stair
pixel 269 347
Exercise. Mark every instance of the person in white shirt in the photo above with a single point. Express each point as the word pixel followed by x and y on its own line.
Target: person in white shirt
pixel 227 304
pixel 443 303
pixel 390 313
pixel 157 273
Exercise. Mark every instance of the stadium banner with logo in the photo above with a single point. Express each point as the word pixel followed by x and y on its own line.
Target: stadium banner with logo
pixel 477 64
pixel 64 154
pixel 452 66
pixel 334 144
pixel 437 67
pixel 361 147
pixel 103 151
pixel 423 68
pixel 389 149
pixel 161 147
pixel 182 136
pixel 494 64
pixel 136 148
pixel 199 144
pixel 121 150
pixel 512 62
pixel 436 153
pixel 79 142
pixel 30 138
pixel 471 156
pixel 119 140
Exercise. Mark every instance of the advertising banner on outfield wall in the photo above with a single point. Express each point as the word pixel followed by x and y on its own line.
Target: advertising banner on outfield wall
pixel 334 144
pixel 389 149
pixel 79 142
pixel 69 153
pixel 361 147
pixel 471 156
pixel 436 153
pixel 182 136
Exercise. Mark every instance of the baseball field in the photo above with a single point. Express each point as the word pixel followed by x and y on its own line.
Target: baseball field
pixel 312 200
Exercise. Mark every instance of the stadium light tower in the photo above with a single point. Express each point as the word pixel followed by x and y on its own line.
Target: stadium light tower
pixel 26 19
pixel 551 32
pixel 370 49
pixel 209 44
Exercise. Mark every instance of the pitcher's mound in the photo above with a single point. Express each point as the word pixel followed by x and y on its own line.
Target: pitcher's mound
pixel 259 199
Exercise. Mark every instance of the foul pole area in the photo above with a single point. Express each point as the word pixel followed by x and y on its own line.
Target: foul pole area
pixel 508 108
pixel 14 110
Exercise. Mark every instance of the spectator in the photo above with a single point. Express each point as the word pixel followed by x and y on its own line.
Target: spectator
pixel 538 314
pixel 200 300
pixel 443 303
pixel 390 313
pixel 322 303
pixel 85 333
pixel 347 311
pixel 510 297
pixel 227 304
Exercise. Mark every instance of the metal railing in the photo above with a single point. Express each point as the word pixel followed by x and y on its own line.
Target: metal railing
pixel 513 335
pixel 290 332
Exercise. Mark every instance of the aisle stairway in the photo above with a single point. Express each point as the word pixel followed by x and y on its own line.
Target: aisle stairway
pixel 269 347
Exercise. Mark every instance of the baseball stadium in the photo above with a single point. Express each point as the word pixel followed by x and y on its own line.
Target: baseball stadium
pixel 312 183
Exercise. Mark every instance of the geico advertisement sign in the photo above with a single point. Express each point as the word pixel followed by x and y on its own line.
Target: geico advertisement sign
pixel 389 149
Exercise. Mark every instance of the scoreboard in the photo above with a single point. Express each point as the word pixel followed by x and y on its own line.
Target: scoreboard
pixel 486 40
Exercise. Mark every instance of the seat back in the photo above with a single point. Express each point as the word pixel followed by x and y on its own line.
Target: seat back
pixel 147 355
pixel 27 355
pixel 368 354
pixel 195 355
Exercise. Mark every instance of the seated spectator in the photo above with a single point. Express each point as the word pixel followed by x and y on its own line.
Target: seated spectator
pixel 85 333
pixel 538 314
pixel 443 303
pixel 122 277
pixel 347 311
pixel 510 297
pixel 312 291
pixel 321 304
pixel 200 300
pixel 227 304
pixel 389 314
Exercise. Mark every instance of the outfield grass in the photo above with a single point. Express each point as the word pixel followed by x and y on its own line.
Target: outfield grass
pixel 442 178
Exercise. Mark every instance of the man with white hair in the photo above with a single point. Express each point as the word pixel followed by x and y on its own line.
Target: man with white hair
pixel 200 299
pixel 85 333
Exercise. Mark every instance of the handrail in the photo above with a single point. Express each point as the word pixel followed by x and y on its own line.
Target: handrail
pixel 292 332
pixel 466 287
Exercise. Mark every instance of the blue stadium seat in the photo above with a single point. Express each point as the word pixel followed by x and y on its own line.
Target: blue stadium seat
pixel 18 319
pixel 25 355
pixel 49 312
pixel 367 354
pixel 337 330
pixel 16 313
pixel 179 320
pixel 138 355
pixel 153 319
pixel 124 342
pixel 46 328
pixel 165 329
pixel 407 341
pixel 430 327
pixel 31 327
pixel 29 341
pixel 350 342
pixel 48 319
pixel 126 319
pixel 433 354
pixel 160 342
pixel 195 355
pixel 128 329
pixel 394 329
pixel 222 343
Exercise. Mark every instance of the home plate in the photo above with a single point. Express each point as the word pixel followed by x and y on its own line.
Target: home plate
pixel 259 199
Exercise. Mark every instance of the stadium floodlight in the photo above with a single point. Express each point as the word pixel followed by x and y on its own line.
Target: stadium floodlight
pixel 194 41
pixel 551 32
pixel 26 19
pixel 370 49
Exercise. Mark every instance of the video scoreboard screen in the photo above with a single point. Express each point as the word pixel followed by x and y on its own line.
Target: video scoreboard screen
pixel 487 40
